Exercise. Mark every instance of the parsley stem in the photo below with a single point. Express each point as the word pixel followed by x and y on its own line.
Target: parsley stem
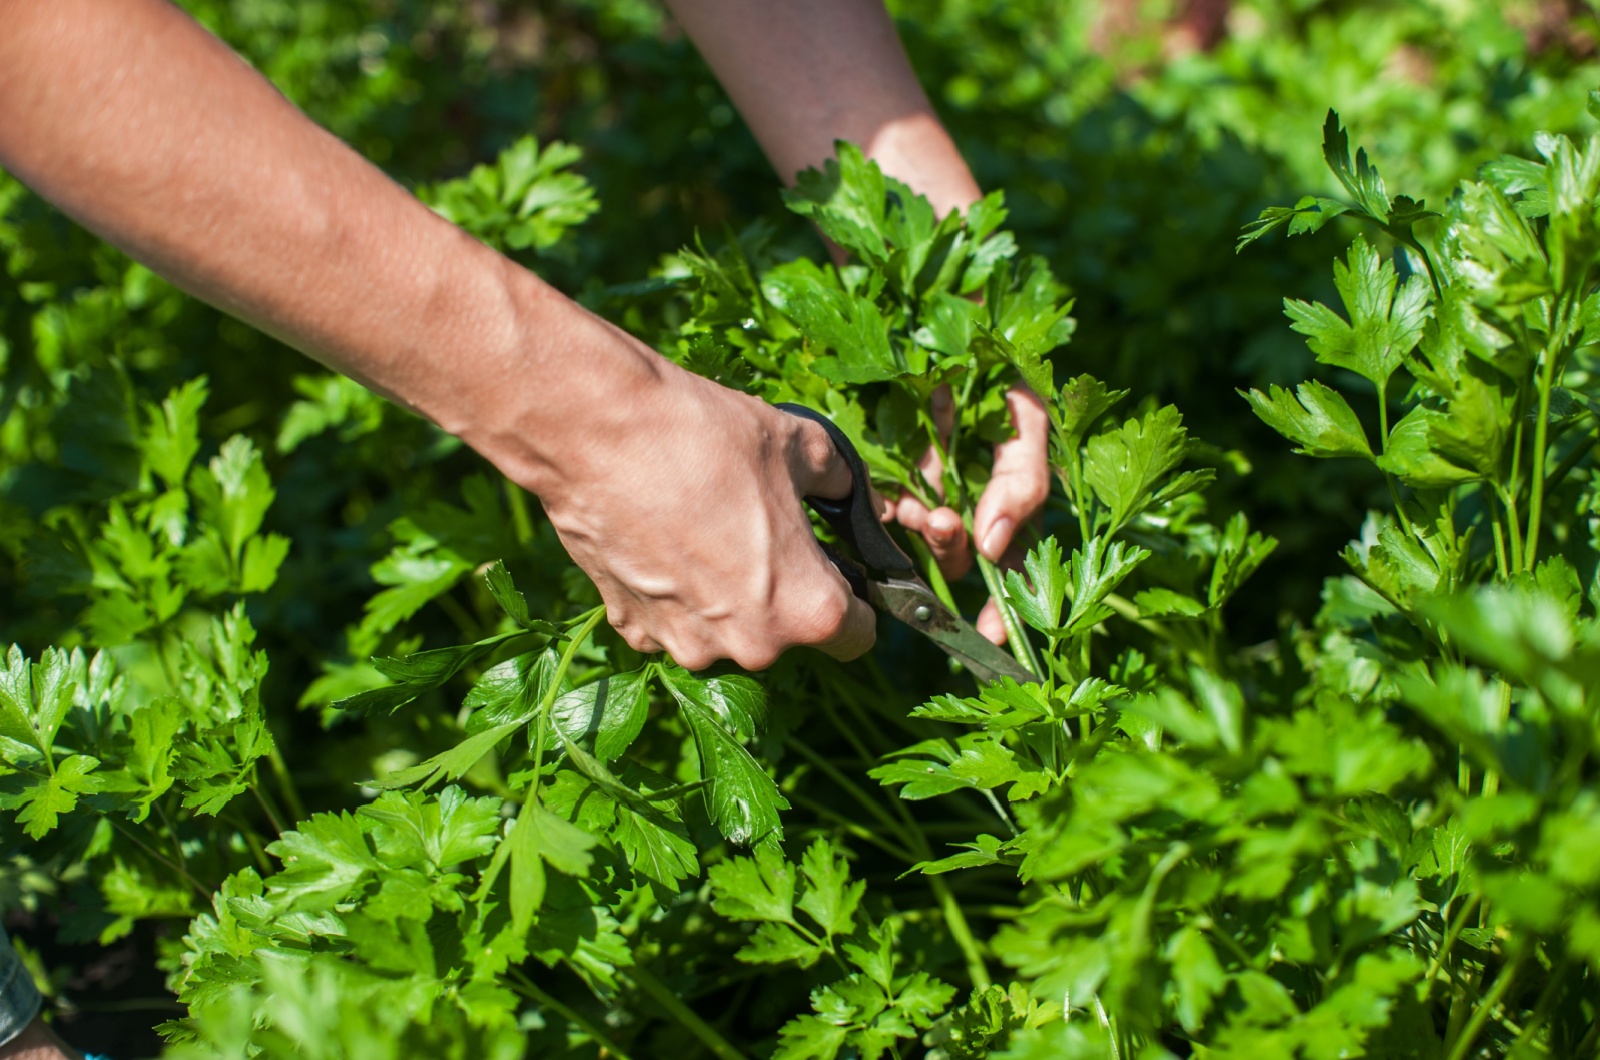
pixel 1383 449
pixel 961 931
pixel 1021 647
pixel 1541 434
pixel 203 892
pixel 580 635
pixel 1452 932
pixel 687 1018
pixel 286 785
pixel 854 829
pixel 530 990
pixel 930 566
pixel 1480 1015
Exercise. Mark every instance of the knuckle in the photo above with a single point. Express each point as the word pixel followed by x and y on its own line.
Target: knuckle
pixel 821 618
pixel 756 657
pixel 693 658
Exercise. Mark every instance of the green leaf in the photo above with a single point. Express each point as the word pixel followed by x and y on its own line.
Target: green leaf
pixel 1097 570
pixel 1385 321
pixel 1361 180
pixel 171 435
pixel 849 334
pixel 1320 422
pixel 848 200
pixel 1078 407
pixel 830 896
pixel 654 848
pixel 611 712
pixel 442 831
pixel 723 711
pixel 34 700
pixel 779 944
pixel 1239 554
pixel 1411 455
pixel 809 1037
pixel 513 603
pixel 1124 466
pixel 754 888
pixel 1197 975
pixel 1038 599
pixel 423 672
pixel 451 764
pixel 1304 217
pixel 527 869
pixel 324 859
pixel 987 850
pixel 42 801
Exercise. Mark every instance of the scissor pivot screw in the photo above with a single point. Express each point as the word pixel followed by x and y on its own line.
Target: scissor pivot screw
pixel 922 613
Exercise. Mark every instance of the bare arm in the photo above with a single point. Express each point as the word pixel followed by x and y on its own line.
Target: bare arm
pixel 137 122
pixel 805 73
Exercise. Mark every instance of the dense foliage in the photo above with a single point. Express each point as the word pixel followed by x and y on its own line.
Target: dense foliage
pixel 1268 799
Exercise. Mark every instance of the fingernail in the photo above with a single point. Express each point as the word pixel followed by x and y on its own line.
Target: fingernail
pixel 996 540
pixel 941 532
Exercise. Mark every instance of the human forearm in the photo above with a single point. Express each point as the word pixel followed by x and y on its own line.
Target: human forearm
pixel 140 124
pixel 805 73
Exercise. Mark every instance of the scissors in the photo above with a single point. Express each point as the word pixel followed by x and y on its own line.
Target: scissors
pixel 885 576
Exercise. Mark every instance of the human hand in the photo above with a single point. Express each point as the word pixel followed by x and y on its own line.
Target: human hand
pixel 38 1042
pixel 1014 496
pixel 681 499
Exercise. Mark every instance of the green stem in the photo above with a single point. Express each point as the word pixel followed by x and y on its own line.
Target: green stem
pixel 1498 525
pixel 550 694
pixel 530 990
pixel 273 818
pixel 961 931
pixel 833 773
pixel 286 785
pixel 935 576
pixel 1451 934
pixel 1547 999
pixel 1021 647
pixel 1491 777
pixel 1570 461
pixel 521 521
pixel 1541 433
pixel 853 828
pixel 203 892
pixel 1383 449
pixel 687 1017
pixel 1480 1015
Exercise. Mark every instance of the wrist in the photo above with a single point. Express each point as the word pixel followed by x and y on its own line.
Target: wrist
pixel 544 385
pixel 917 150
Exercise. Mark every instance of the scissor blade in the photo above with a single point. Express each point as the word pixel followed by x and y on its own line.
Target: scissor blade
pixel 915 604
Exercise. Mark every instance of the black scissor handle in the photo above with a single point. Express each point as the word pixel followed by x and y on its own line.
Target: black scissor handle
pixel 853 518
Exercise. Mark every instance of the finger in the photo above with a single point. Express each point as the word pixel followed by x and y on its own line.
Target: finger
pixel 854 628
pixel 1021 480
pixel 990 623
pixel 883 506
pixel 947 540
pixel 911 513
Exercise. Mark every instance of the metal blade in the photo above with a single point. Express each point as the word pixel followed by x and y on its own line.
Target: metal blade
pixel 914 603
